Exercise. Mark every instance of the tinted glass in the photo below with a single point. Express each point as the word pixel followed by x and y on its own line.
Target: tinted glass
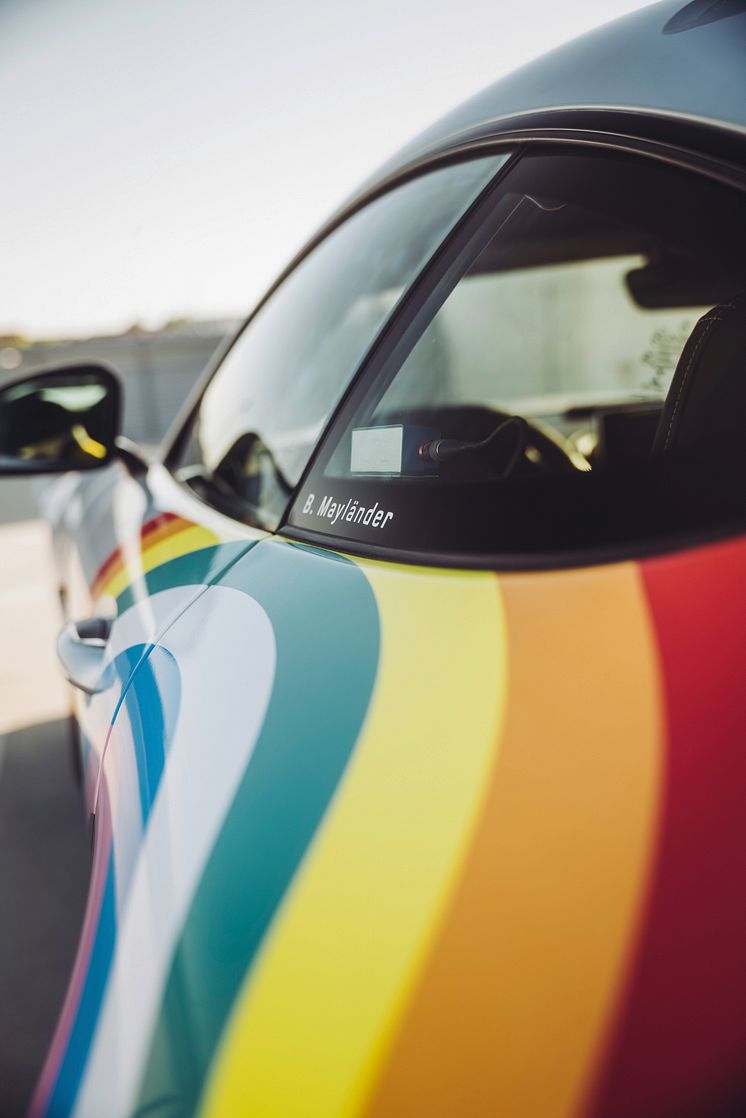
pixel 523 412
pixel 263 411
pixel 59 420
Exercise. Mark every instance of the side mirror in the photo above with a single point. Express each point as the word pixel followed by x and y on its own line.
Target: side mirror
pixel 59 419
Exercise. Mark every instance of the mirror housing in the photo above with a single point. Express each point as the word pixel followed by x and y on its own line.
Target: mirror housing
pixel 59 419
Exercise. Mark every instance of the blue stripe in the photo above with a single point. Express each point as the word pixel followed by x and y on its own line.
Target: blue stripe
pixel 67 1084
pixel 152 704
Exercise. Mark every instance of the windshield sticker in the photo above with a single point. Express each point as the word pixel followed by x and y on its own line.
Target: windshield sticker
pixel 392 449
pixel 351 511
pixel 377 450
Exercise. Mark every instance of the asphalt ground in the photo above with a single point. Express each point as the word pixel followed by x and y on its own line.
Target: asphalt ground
pixel 44 850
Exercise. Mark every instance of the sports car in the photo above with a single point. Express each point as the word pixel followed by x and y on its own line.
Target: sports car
pixel 410 672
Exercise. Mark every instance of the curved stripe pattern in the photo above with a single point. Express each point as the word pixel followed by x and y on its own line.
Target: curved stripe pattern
pixel 681 1034
pixel 66 1086
pixel 225 650
pixel 488 889
pixel 152 531
pixel 60 1079
pixel 507 1017
pixel 106 903
pixel 326 628
pixel 152 704
pixel 161 539
pixel 189 568
pixel 136 752
pixel 315 1020
pixel 58 1084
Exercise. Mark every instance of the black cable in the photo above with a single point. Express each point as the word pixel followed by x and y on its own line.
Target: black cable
pixel 444 450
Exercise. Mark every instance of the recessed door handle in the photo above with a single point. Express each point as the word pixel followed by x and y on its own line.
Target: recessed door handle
pixel 81 647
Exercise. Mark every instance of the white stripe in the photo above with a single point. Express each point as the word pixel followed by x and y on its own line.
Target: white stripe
pixel 124 797
pixel 142 623
pixel 225 649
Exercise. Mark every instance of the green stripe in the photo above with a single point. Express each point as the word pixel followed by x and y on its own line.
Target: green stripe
pixel 326 628
pixel 200 567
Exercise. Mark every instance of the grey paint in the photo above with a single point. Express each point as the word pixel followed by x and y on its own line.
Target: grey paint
pixel 630 64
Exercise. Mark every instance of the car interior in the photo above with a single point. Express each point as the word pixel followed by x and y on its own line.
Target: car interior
pixel 602 312
pixel 590 360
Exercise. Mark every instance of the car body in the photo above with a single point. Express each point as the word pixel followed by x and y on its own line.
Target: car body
pixel 415 751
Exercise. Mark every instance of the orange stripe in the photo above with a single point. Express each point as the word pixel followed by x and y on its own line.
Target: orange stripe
pixel 160 521
pixel 159 528
pixel 107 568
pixel 162 528
pixel 510 1013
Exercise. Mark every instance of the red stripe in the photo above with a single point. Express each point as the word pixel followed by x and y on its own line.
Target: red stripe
pixel 116 557
pixel 105 569
pixel 159 521
pixel 680 1044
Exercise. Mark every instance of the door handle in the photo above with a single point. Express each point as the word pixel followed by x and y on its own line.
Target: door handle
pixel 81 648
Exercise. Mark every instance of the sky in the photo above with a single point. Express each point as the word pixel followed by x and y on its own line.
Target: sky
pixel 165 158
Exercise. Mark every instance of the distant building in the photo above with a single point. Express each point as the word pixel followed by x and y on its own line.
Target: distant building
pixel 158 368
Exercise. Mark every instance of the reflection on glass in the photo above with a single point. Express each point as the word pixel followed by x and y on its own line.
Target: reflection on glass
pixel 56 421
pixel 263 412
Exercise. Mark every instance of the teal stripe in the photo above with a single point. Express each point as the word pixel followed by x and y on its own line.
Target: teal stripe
pixel 326 628
pixel 203 566
pixel 152 703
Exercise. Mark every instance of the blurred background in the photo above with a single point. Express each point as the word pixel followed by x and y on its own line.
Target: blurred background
pixel 165 158
pixel 161 162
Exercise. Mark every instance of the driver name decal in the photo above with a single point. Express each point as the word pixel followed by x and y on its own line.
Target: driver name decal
pixel 351 511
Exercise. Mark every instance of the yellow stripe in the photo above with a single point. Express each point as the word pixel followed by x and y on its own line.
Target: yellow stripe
pixel 190 538
pixel 519 993
pixel 316 1018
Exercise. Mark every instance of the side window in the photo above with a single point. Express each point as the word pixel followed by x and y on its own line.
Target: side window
pixel 522 412
pixel 263 411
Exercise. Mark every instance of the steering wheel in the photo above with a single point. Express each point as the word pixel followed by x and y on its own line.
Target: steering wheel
pixel 553 453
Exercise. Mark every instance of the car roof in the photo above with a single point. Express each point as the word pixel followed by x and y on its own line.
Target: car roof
pixel 671 60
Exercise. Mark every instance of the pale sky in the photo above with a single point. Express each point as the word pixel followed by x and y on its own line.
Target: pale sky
pixel 166 157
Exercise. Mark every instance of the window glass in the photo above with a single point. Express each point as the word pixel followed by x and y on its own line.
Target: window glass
pixel 616 349
pixel 524 413
pixel 263 411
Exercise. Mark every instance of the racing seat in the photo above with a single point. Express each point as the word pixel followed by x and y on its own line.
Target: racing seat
pixel 706 403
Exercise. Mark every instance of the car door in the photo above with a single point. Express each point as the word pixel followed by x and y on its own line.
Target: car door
pixel 397 816
pixel 146 554
pixel 112 536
